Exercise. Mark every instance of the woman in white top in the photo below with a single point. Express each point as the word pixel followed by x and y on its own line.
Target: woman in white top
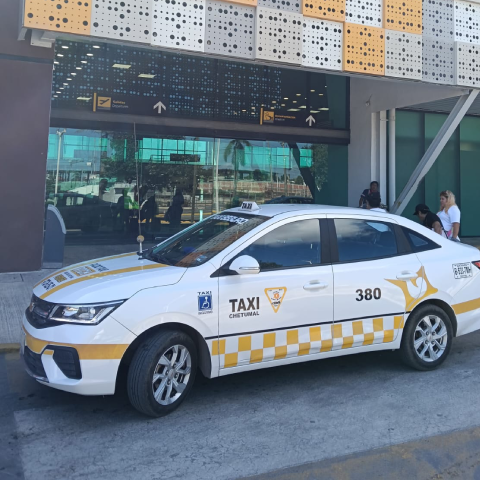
pixel 449 214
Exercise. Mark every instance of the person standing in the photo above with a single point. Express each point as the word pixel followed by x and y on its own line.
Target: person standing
pixel 449 214
pixel 429 219
pixel 373 192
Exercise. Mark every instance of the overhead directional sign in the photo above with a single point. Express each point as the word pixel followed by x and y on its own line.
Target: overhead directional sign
pixel 159 107
pixel 289 118
pixel 104 102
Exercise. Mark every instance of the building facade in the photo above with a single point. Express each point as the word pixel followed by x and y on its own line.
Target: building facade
pixel 164 113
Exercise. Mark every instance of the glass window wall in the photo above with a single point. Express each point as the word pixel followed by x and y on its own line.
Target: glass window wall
pixel 104 183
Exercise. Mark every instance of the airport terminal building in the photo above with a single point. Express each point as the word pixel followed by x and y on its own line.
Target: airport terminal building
pixel 118 110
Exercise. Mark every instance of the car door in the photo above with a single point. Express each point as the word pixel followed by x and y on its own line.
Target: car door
pixel 377 279
pixel 284 311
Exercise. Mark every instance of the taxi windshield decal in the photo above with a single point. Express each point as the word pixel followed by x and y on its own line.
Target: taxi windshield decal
pixel 275 296
pixel 230 218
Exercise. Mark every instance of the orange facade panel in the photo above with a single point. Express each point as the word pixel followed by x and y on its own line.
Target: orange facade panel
pixel 363 49
pixel 69 16
pixel 326 9
pixel 403 15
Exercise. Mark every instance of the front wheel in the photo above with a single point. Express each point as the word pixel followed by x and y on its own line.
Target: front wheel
pixel 427 338
pixel 162 373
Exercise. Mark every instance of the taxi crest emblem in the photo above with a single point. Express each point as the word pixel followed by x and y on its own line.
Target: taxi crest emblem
pixel 275 296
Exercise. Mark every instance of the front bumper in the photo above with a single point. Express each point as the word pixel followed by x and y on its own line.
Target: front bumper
pixel 76 358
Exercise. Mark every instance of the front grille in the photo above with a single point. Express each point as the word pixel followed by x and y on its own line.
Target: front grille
pixel 34 363
pixel 68 362
pixel 37 313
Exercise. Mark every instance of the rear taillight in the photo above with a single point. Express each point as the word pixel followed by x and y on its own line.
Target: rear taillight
pixel 477 264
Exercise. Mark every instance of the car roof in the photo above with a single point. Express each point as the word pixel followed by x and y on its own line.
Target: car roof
pixel 273 209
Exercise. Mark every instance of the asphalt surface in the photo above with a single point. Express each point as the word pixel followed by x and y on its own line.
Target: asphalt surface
pixel 358 417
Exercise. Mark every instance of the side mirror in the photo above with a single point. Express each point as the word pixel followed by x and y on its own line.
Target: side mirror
pixel 245 265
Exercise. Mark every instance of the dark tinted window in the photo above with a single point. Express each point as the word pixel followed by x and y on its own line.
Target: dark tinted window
pixel 364 240
pixel 418 242
pixel 296 244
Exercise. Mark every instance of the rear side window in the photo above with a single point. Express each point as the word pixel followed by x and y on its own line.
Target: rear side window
pixel 364 240
pixel 418 242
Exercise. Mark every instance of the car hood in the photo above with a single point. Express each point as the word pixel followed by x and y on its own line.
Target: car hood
pixel 105 279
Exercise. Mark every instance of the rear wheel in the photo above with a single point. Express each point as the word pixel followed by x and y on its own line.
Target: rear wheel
pixel 162 373
pixel 427 338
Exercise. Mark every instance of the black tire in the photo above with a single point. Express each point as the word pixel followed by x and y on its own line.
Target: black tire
pixel 144 365
pixel 407 349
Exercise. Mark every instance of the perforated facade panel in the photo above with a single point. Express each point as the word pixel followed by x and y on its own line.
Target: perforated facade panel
pixel 122 20
pixel 322 44
pixel 279 36
pixel 179 24
pixel 230 29
pixel 294 6
pixel 403 55
pixel 403 15
pixel 467 21
pixel 438 19
pixel 437 61
pixel 364 49
pixel 364 12
pixel 467 64
pixel 58 16
pixel 326 9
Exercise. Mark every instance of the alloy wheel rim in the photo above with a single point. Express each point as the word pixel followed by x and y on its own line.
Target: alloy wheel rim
pixel 430 338
pixel 171 375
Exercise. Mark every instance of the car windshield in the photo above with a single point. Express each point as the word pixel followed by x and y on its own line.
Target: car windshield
pixel 204 240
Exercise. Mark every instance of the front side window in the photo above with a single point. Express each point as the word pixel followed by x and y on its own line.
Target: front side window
pixel 364 240
pixel 201 242
pixel 296 244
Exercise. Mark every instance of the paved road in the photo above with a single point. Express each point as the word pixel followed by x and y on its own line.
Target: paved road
pixel 358 417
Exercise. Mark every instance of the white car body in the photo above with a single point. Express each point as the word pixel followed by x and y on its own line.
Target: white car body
pixel 246 322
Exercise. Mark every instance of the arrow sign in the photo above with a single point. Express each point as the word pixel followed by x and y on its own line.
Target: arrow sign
pixel 160 105
pixel 309 119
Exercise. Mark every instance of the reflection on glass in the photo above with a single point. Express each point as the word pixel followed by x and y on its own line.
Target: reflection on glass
pixel 108 181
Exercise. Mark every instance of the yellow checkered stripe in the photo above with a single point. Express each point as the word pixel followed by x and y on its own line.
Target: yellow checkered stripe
pixel 240 350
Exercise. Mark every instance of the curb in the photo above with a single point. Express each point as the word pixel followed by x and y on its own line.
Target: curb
pixel 9 347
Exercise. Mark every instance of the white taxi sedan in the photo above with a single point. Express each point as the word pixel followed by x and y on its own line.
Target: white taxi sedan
pixel 251 287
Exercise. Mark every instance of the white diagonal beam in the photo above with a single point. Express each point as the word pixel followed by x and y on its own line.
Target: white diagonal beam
pixel 434 150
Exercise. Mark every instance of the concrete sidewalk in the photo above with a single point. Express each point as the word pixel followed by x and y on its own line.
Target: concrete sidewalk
pixel 16 288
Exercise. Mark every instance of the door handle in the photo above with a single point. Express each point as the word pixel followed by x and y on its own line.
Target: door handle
pixel 315 286
pixel 407 276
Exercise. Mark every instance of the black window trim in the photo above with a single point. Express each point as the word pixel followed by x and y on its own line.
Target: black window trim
pixel 325 257
pixel 398 238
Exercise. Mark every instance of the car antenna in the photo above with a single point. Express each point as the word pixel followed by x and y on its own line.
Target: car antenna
pixel 140 238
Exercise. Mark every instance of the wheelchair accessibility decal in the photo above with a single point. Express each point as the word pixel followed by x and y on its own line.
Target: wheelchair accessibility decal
pixel 205 302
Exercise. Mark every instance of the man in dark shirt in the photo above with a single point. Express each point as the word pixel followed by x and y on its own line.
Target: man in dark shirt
pixel 371 192
pixel 429 219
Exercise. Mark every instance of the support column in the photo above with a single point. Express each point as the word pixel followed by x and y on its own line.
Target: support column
pixel 444 134
pixel 25 92
pixel 382 159
pixel 374 171
pixel 391 158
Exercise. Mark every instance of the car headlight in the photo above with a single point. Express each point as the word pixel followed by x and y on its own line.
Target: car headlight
pixel 83 314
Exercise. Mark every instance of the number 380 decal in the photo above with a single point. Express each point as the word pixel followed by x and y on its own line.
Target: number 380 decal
pixel 368 294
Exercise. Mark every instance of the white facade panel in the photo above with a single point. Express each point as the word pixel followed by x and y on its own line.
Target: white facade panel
pixel 403 55
pixel 322 44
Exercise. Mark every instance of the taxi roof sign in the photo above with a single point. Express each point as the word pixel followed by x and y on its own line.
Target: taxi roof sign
pixel 250 206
